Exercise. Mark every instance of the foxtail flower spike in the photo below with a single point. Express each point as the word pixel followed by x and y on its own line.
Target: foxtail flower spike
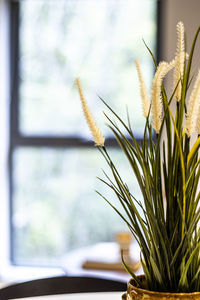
pixel 156 100
pixel 180 60
pixel 143 91
pixel 198 123
pixel 192 117
pixel 96 133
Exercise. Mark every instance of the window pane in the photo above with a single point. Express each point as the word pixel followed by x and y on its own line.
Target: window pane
pixel 55 207
pixel 95 40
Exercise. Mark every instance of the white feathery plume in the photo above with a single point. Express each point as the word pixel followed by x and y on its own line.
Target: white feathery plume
pixel 192 117
pixel 198 123
pixel 96 133
pixel 180 59
pixel 156 100
pixel 143 91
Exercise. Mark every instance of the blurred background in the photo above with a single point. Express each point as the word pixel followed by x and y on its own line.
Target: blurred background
pixel 48 164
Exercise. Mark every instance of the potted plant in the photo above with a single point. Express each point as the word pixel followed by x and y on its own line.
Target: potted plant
pixel 167 166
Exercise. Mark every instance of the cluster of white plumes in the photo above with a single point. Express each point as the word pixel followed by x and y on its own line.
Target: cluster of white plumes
pixel 154 106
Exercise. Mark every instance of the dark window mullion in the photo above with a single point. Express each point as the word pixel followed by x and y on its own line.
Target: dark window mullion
pixel 47 141
pixel 14 68
pixel 14 116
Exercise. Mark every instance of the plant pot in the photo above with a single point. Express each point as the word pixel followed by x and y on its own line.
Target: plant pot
pixel 134 293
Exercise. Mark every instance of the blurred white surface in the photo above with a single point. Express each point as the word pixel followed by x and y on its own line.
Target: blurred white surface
pixel 86 296
pixel 105 252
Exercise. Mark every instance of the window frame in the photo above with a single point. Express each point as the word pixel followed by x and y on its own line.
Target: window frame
pixel 17 139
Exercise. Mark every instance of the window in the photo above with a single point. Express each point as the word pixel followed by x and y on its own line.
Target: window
pixel 53 163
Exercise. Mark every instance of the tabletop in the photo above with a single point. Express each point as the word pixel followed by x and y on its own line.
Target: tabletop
pixel 85 296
